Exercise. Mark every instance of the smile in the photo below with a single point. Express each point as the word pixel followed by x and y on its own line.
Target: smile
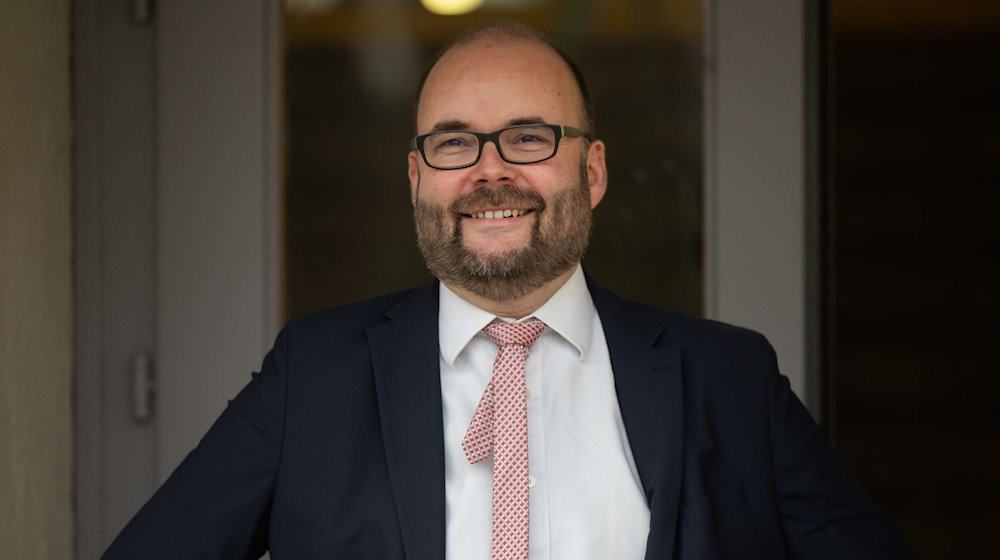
pixel 497 214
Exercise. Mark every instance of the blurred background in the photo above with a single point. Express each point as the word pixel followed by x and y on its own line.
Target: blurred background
pixel 179 179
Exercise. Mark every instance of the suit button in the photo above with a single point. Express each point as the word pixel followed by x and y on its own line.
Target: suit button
pixel 531 481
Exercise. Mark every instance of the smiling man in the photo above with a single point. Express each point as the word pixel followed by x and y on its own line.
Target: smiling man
pixel 503 218
pixel 513 409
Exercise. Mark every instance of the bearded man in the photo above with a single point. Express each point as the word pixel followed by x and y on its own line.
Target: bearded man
pixel 514 409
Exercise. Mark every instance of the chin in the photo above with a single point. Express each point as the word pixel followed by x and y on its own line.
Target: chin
pixel 496 258
pixel 497 247
pixel 494 244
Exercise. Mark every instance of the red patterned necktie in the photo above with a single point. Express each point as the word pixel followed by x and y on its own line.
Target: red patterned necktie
pixel 499 427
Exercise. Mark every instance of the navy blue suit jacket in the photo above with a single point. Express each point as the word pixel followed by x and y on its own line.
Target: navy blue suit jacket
pixel 335 449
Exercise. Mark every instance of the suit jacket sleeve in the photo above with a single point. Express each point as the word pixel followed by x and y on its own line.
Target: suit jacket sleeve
pixel 823 513
pixel 216 503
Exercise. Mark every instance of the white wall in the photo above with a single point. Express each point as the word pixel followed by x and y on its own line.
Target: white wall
pixel 755 174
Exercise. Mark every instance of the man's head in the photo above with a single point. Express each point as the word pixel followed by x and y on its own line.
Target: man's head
pixel 492 78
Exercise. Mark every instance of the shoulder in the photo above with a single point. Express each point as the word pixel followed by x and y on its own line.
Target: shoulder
pixel 710 350
pixel 348 323
pixel 670 327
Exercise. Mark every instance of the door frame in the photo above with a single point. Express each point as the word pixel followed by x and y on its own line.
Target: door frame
pixel 761 192
pixel 219 208
pixel 177 183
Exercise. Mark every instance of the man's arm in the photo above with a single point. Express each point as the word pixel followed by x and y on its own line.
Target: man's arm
pixel 217 503
pixel 824 514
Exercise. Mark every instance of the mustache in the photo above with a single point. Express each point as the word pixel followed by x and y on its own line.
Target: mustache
pixel 495 196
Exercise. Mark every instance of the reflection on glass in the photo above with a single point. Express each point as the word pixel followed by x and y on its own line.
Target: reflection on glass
pixel 351 71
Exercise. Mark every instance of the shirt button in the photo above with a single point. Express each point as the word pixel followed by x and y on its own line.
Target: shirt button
pixel 527 393
pixel 531 481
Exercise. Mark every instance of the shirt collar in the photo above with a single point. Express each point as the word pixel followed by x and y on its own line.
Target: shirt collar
pixel 458 322
pixel 569 312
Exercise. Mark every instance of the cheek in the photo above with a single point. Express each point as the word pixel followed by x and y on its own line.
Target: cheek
pixel 550 180
pixel 438 187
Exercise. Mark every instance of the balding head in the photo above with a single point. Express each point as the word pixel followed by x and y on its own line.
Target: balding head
pixel 505 34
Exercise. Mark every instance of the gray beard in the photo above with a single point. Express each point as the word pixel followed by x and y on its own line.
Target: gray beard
pixel 558 242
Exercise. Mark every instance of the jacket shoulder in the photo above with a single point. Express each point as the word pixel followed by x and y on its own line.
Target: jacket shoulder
pixel 712 351
pixel 350 320
pixel 679 328
pixel 698 332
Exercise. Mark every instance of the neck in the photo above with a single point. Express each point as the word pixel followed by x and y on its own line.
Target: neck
pixel 520 307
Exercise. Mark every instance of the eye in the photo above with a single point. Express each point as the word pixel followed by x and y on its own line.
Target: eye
pixel 527 138
pixel 451 142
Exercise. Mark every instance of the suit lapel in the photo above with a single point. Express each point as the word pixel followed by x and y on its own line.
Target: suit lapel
pixel 648 381
pixel 407 374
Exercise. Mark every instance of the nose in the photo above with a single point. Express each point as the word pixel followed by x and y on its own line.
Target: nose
pixel 492 168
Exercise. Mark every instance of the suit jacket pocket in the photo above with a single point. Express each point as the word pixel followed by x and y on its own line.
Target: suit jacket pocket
pixel 705 508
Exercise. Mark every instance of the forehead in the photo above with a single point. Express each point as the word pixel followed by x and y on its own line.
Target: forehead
pixel 490 82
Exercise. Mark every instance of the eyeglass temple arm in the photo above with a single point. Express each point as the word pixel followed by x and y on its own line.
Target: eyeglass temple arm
pixel 574 132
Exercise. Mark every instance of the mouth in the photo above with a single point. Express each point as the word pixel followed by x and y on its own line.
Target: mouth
pixel 498 214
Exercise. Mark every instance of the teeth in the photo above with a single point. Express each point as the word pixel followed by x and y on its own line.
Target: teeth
pixel 496 214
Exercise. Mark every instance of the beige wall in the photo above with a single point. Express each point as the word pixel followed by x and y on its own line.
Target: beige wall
pixel 36 306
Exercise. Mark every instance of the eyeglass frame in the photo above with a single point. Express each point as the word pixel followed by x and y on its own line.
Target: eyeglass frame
pixel 483 137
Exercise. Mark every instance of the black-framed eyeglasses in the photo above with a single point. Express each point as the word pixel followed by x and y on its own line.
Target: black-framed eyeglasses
pixel 523 143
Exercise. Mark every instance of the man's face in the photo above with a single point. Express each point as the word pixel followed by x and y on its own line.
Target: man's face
pixel 483 87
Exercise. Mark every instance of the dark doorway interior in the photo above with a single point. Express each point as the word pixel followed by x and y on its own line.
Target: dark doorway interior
pixel 914 265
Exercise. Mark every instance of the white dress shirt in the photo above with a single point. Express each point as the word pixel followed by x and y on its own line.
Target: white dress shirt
pixel 585 498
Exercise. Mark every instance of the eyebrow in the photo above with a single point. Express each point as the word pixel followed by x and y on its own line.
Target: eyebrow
pixel 462 125
pixel 450 125
pixel 526 120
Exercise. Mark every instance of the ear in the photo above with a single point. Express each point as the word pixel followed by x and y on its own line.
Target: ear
pixel 597 172
pixel 413 172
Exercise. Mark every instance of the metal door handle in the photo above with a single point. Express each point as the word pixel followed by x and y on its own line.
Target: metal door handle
pixel 143 388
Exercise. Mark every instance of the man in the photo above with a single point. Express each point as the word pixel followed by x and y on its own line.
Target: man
pixel 515 409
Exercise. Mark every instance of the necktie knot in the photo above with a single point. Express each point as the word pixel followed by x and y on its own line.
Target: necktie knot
pixel 524 333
